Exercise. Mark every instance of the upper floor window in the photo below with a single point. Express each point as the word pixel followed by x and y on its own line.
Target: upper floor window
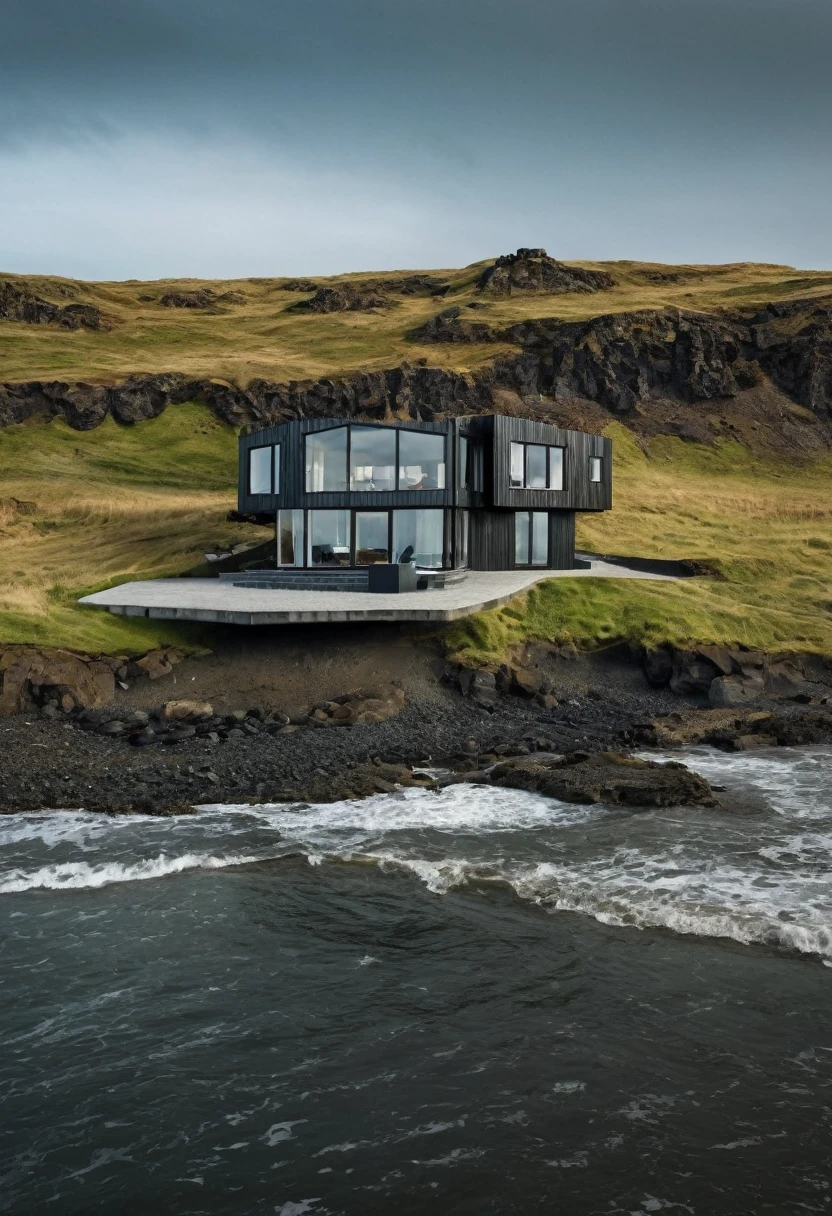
pixel 372 458
pixel 596 468
pixel 326 460
pixel 536 466
pixel 264 470
pixel 421 461
pixel 380 458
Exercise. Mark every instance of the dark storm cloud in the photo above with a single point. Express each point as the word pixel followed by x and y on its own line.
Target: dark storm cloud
pixel 543 121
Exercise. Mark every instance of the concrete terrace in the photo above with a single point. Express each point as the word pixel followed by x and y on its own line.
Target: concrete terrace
pixel 208 599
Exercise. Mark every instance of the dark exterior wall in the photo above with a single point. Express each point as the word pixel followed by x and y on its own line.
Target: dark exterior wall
pixel 492 540
pixel 580 494
pixel 293 472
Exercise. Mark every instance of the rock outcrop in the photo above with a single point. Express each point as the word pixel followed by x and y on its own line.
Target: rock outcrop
pixel 731 677
pixel 19 304
pixel 203 298
pixel 609 777
pixel 653 369
pixel 31 678
pixel 345 298
pixel 532 270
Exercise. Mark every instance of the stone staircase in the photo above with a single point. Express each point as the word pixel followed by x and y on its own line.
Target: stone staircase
pixel 330 580
pixel 300 580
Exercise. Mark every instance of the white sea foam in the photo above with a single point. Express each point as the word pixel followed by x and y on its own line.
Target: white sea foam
pixel 79 875
pixel 763 879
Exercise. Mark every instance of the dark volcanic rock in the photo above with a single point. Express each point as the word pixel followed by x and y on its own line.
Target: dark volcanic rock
pixel 203 298
pixel 299 285
pixel 606 777
pixel 532 270
pixel 19 304
pixel 345 298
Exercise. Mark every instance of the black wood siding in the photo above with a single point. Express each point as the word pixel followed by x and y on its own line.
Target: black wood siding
pixel 290 436
pixel 579 493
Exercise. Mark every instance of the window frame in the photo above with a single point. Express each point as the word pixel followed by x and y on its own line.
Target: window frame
pixel 530 563
pixel 596 461
pixel 397 431
pixel 548 449
pixel 261 447
pixel 447 545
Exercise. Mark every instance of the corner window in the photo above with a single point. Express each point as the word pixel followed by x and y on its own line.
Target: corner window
pixel 260 470
pixel 421 461
pixel 326 460
pixel 372 458
pixel 595 468
pixel 290 538
pixel 536 466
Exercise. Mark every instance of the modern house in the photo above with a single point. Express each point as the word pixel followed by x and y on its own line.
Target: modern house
pixel 484 492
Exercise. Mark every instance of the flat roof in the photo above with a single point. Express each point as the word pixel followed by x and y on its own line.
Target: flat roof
pixel 212 600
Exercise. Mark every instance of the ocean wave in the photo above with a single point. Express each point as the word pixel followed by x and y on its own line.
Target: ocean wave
pixel 80 875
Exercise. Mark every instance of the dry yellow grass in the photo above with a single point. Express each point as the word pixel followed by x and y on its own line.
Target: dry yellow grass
pixel 265 338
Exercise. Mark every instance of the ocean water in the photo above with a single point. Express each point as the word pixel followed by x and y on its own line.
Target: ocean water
pixel 468 1001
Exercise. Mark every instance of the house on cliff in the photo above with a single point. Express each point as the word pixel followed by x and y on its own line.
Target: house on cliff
pixel 394 506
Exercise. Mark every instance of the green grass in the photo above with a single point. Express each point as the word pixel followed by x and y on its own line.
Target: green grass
pixel 111 504
pixel 764 528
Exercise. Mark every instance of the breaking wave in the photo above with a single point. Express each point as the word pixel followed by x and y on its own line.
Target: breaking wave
pixel 760 879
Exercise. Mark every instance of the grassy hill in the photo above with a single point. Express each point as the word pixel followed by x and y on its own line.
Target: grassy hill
pixel 124 502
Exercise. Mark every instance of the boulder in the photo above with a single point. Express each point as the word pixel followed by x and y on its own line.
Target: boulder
pixel 156 663
pixel 30 677
pixel 175 711
pixel 479 686
pixel 526 683
pixel 606 777
pixel 728 691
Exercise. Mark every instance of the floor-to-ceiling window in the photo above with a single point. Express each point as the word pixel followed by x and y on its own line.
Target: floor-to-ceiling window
pixel 290 538
pixel 531 538
pixel 419 536
pixel 372 537
pixel 328 538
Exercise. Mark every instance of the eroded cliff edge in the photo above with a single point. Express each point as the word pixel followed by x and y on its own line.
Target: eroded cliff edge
pixel 764 378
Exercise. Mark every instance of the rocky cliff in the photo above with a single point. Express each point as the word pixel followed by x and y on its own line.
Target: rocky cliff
pixel 686 373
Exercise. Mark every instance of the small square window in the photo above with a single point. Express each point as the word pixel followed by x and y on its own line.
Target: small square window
pixel 595 468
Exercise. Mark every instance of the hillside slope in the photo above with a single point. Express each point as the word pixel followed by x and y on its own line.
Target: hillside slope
pixel 716 382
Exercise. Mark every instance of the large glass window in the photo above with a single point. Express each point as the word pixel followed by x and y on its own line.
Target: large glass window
pixel 260 470
pixel 534 466
pixel 421 461
pixel 595 468
pixel 372 537
pixel 290 538
pixel 328 538
pixel 419 536
pixel 536 471
pixel 326 460
pixel 518 466
pixel 521 538
pixel 372 458
pixel 540 538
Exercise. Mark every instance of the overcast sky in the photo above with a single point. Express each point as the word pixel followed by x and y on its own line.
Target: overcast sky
pixel 214 138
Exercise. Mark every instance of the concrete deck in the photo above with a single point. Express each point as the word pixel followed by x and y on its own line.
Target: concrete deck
pixel 208 599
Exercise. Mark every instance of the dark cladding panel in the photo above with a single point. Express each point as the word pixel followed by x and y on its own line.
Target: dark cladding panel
pixel 562 540
pixel 579 494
